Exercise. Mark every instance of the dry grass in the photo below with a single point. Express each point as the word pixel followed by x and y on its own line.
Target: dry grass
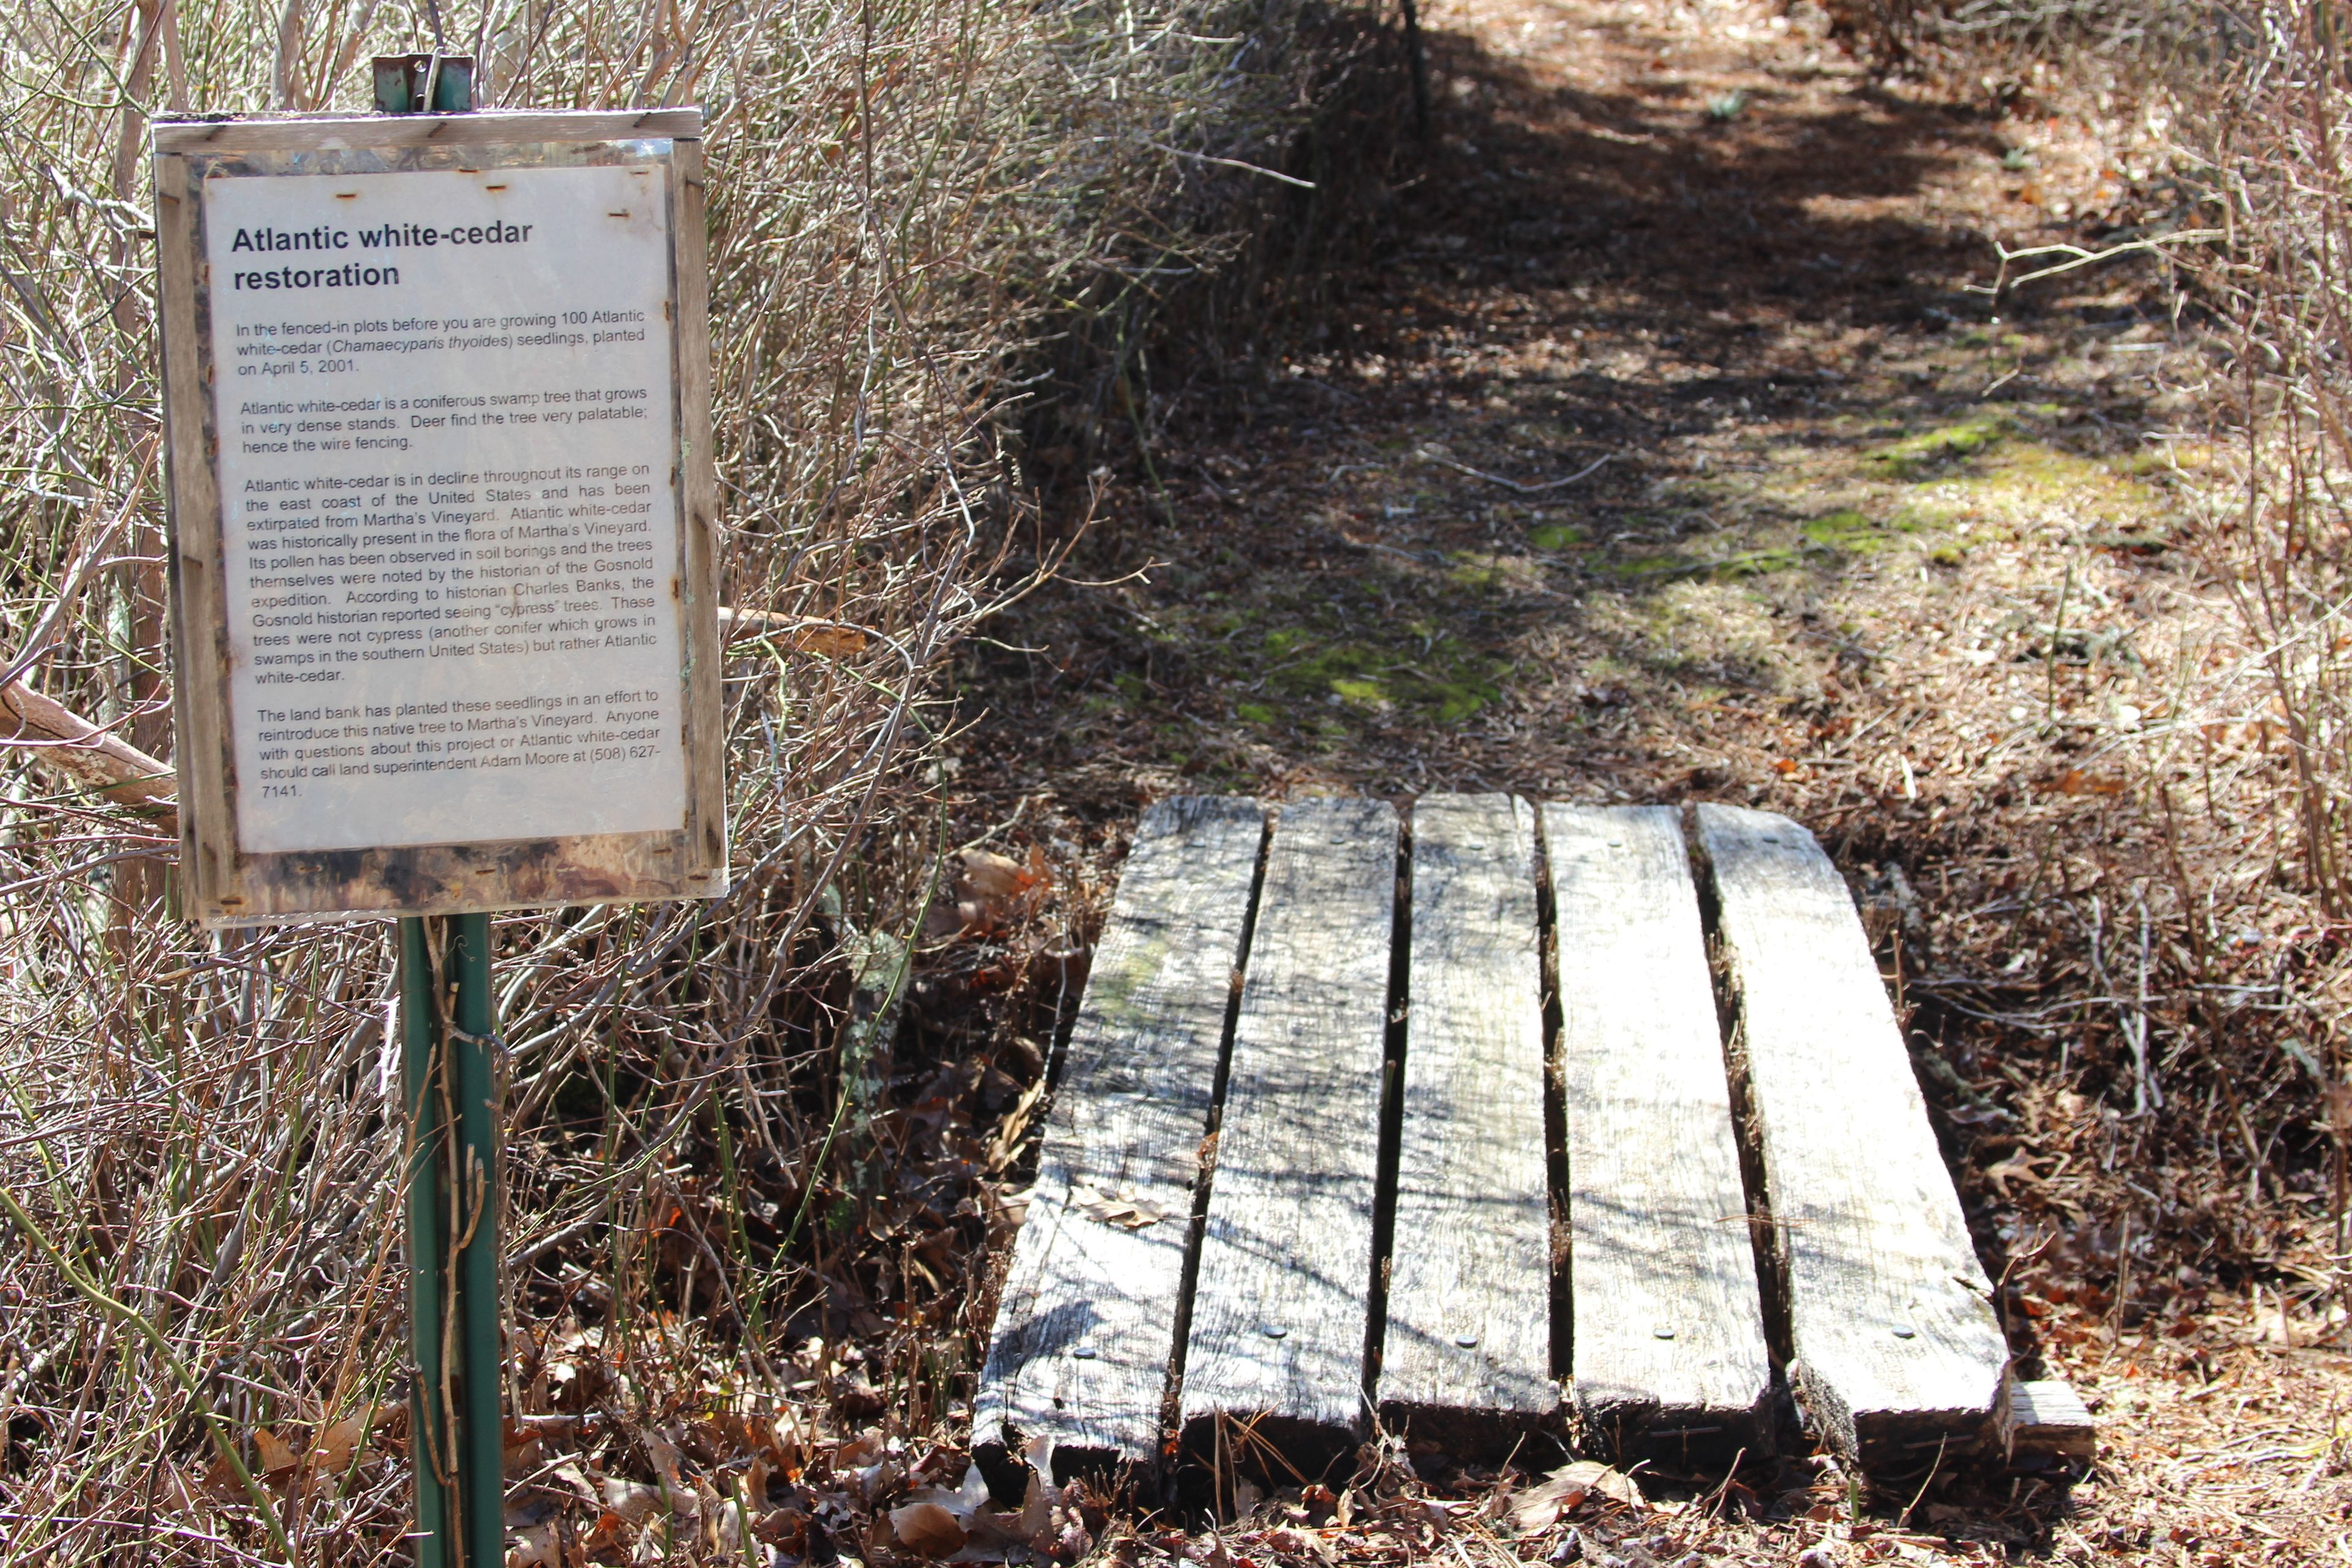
pixel 911 201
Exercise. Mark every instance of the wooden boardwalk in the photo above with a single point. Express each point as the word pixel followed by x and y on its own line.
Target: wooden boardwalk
pixel 1448 1124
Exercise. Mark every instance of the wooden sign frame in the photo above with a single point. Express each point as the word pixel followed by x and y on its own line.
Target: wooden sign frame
pixel 229 883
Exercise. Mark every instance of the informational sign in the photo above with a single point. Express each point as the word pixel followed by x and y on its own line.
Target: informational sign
pixel 442 512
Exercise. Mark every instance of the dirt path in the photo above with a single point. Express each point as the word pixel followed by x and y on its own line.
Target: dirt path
pixel 1669 455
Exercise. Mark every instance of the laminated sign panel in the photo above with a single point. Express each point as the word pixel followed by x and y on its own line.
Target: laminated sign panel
pixel 441 504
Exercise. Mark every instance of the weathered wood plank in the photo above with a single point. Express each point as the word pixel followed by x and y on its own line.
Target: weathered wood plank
pixel 1280 1316
pixel 2048 1423
pixel 299 132
pixel 191 513
pixel 1466 1355
pixel 1085 1325
pixel 1897 1351
pixel 1668 1346
pixel 698 517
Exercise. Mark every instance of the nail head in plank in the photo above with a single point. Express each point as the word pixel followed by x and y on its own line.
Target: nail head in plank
pixel 1467 1351
pixel 1668 1334
pixel 1280 1312
pixel 1085 1324
pixel 1890 1313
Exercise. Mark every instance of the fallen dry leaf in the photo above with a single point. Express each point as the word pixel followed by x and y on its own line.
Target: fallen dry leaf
pixel 833 642
pixel 221 1483
pixel 277 1455
pixel 664 1454
pixel 536 1548
pixel 571 1476
pixel 2074 781
pixel 521 1449
pixel 927 1527
pixel 1540 1506
pixel 184 1495
pixel 332 1453
pixel 857 1453
pixel 629 1501
pixel 724 1521
pixel 1110 1209
pixel 610 1530
pixel 1615 1485
pixel 957 1503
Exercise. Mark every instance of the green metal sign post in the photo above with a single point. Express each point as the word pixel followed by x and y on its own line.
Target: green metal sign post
pixel 450 1086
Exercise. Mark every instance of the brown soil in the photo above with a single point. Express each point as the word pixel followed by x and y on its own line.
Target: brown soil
pixel 1861 545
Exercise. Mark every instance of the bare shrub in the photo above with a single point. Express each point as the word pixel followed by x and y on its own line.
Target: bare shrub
pixel 2270 146
pixel 2235 959
pixel 198 1133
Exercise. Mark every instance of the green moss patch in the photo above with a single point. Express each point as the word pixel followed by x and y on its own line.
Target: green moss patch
pixel 1931 451
pixel 1850 533
pixel 1437 679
